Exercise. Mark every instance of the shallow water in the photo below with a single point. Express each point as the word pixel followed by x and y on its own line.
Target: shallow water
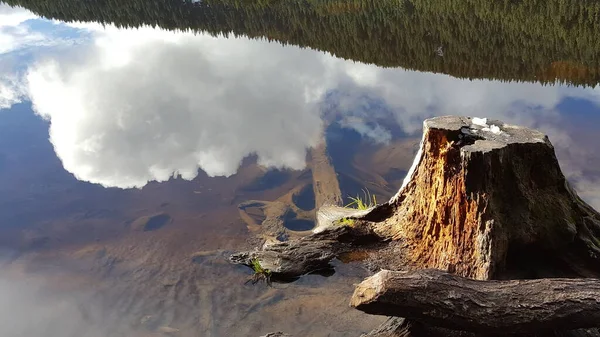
pixel 299 225
pixel 133 161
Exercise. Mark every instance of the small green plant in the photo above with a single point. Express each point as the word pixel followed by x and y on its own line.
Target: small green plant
pixel 260 273
pixel 359 203
pixel 363 204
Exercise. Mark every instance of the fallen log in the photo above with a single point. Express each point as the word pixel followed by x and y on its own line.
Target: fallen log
pixel 286 261
pixel 515 306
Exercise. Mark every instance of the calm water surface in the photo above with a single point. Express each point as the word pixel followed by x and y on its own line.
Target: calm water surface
pixel 141 142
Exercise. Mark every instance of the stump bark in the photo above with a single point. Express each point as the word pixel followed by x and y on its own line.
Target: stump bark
pixel 488 200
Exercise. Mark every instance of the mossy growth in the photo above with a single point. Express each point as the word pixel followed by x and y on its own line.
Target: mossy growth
pixel 260 273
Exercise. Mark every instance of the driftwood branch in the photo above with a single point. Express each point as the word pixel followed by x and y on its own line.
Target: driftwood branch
pixel 516 306
pixel 286 261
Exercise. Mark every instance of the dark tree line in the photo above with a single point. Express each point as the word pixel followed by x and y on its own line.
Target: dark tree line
pixel 523 40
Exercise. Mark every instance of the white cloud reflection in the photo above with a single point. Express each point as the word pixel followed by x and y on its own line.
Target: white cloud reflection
pixel 13 16
pixel 140 105
pixel 13 35
pixel 23 36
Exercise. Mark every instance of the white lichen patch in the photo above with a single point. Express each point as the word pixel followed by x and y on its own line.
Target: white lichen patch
pixel 493 129
pixel 480 121
pixel 482 124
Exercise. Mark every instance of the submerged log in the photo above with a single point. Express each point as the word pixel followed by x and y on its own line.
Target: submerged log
pixel 437 298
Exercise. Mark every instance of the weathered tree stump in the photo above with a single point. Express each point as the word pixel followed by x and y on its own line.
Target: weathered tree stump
pixel 518 306
pixel 482 192
pixel 487 200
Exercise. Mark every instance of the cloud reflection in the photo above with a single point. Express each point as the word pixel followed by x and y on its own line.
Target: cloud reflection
pixel 29 308
pixel 134 106
pixel 12 33
pixel 140 106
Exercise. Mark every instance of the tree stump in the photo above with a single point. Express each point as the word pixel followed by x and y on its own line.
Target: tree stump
pixel 487 200
pixel 480 195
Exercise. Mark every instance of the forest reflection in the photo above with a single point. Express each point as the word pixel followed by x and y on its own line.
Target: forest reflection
pixel 530 40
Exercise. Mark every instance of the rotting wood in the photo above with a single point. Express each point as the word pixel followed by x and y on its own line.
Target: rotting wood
pixel 483 190
pixel 310 254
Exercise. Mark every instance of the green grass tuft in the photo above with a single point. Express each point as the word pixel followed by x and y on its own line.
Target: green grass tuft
pixel 361 203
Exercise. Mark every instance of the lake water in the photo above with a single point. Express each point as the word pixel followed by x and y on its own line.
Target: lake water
pixel 141 142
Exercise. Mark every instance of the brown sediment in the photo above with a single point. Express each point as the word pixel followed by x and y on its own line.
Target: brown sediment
pixel 272 215
pixel 275 213
pixel 178 274
pixel 151 222
pixel 325 181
